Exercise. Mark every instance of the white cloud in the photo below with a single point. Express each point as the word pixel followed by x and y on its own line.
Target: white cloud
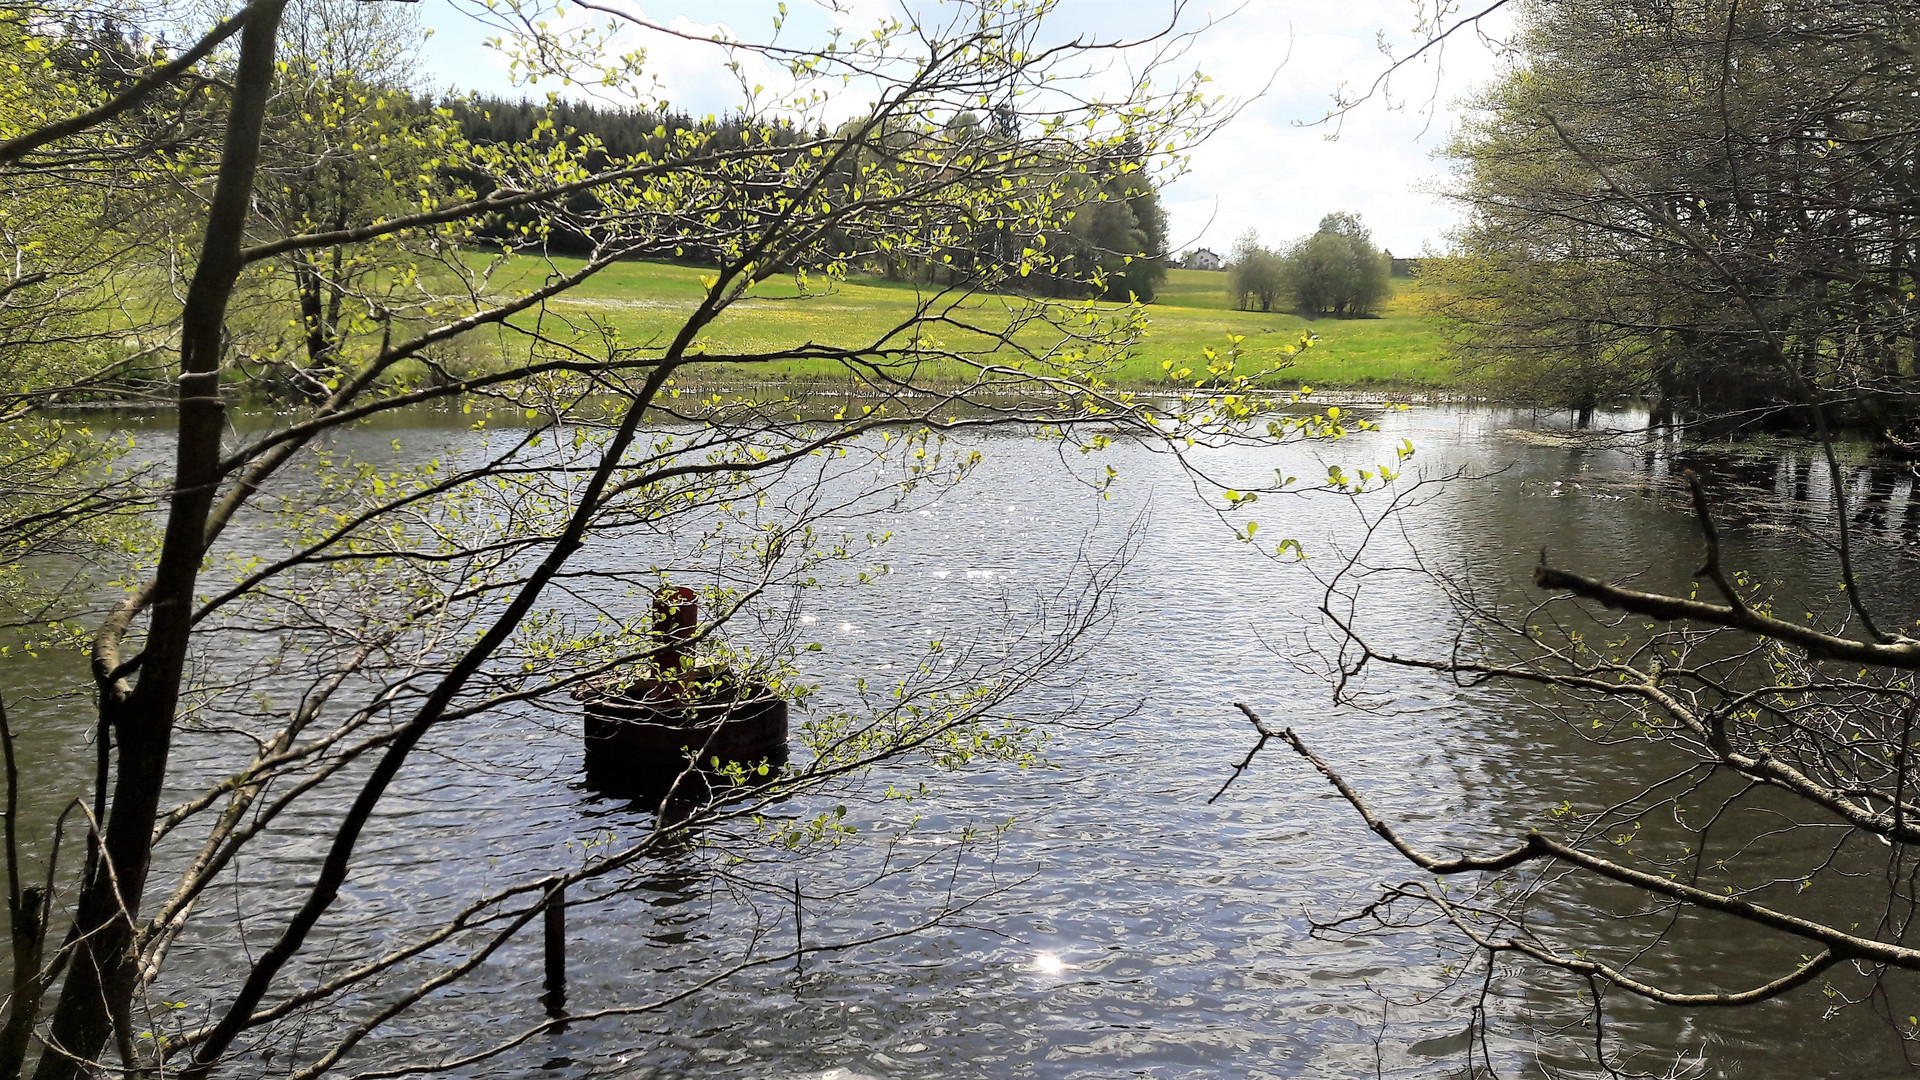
pixel 1268 172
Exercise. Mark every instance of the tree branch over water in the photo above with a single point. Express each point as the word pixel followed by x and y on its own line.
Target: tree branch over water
pixel 302 627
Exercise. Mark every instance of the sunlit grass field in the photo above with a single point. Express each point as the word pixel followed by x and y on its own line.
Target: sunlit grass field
pixel 645 303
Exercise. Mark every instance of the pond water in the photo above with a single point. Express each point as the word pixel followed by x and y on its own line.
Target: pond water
pixel 1124 924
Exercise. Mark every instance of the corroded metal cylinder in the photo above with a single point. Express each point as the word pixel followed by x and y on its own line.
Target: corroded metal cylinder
pixel 640 740
pixel 685 724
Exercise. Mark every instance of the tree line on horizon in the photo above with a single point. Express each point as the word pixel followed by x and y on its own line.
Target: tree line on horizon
pixel 1112 245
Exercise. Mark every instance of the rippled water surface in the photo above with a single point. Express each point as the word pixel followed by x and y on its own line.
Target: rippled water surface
pixel 1121 924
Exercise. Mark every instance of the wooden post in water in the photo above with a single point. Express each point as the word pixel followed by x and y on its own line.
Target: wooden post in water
pixel 556 947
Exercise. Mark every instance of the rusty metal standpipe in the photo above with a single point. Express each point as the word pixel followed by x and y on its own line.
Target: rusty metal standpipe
pixel 676 620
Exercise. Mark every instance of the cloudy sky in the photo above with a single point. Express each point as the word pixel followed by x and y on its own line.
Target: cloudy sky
pixel 1271 169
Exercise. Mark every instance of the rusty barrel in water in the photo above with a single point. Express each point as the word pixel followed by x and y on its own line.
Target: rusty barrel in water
pixel 684 723
pixel 643 737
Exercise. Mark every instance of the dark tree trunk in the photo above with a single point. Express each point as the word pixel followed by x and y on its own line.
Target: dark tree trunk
pixel 101 974
pixel 307 285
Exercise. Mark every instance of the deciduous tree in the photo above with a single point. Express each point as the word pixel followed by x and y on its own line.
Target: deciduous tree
pixel 406 607
pixel 1652 189
pixel 1256 277
pixel 1656 196
pixel 1337 270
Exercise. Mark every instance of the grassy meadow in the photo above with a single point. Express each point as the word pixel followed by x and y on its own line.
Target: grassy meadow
pixel 644 303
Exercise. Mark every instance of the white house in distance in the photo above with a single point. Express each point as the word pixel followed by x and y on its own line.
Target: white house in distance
pixel 1202 259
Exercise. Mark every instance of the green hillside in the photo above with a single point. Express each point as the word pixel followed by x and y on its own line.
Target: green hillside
pixel 644 303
